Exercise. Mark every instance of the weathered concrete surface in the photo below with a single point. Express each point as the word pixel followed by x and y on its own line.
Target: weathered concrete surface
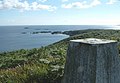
pixel 92 61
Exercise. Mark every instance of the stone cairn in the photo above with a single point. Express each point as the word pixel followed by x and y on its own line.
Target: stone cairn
pixel 92 60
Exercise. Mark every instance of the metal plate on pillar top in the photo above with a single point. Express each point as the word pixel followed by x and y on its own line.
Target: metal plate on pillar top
pixel 93 41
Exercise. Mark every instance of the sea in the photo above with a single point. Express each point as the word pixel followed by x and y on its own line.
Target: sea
pixel 35 36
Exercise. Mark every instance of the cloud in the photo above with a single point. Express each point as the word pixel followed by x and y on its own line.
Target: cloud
pixel 36 6
pixel 64 0
pixel 24 5
pixel 111 1
pixel 42 0
pixel 81 4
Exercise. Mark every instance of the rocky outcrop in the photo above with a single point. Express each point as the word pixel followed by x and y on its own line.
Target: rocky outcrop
pixel 92 61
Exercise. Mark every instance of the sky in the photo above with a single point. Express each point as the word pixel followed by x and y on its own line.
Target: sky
pixel 59 12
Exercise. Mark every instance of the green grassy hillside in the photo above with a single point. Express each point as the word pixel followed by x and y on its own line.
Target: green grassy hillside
pixel 45 64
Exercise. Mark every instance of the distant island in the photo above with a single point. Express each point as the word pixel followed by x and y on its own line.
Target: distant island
pixel 26 27
pixel 45 64
pixel 37 32
pixel 24 32
pixel 54 32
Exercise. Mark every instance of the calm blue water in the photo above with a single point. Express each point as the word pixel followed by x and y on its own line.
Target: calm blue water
pixel 11 37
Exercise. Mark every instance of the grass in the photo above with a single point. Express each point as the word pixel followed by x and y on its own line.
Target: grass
pixel 45 64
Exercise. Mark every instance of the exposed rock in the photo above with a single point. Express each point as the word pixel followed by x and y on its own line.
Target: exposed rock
pixel 26 28
pixel 57 32
pixel 24 33
pixel 41 32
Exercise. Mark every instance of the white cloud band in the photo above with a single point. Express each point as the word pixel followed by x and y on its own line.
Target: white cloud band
pixel 64 0
pixel 112 1
pixel 24 5
pixel 81 4
pixel 42 0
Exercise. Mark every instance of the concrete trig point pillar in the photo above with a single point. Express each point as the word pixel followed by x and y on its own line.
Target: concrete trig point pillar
pixel 92 61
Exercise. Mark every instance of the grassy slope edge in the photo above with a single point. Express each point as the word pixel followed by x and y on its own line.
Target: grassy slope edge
pixel 46 64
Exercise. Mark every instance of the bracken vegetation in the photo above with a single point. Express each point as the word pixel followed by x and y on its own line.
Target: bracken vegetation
pixel 45 64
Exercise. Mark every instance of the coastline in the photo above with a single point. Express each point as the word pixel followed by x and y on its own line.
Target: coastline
pixel 28 37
